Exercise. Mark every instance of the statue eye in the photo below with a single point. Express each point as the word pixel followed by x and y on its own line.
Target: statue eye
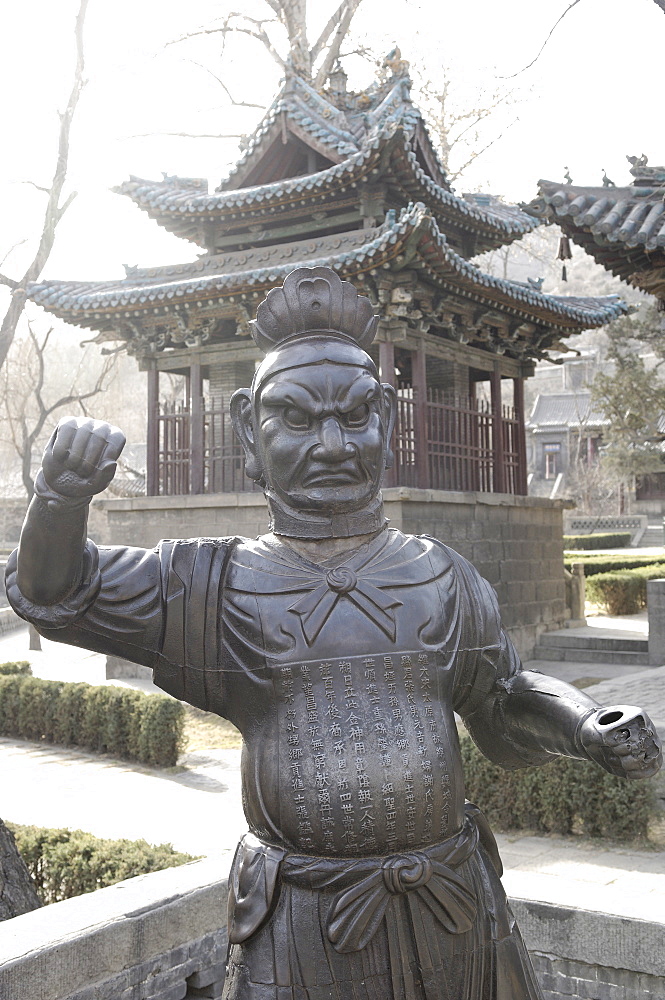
pixel 358 416
pixel 296 419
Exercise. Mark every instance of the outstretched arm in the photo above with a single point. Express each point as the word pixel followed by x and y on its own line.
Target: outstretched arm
pixel 79 462
pixel 519 717
pixel 543 713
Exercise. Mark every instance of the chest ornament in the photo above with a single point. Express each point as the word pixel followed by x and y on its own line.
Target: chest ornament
pixel 342 582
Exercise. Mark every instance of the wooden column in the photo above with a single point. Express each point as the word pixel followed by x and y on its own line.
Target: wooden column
pixel 387 372
pixel 419 383
pixel 152 439
pixel 499 482
pixel 518 402
pixel 387 362
pixel 196 436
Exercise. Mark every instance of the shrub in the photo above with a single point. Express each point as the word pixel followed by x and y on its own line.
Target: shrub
pixel 127 723
pixel 613 540
pixel 161 735
pixel 596 562
pixel 623 592
pixel 66 863
pixel 15 667
pixel 562 796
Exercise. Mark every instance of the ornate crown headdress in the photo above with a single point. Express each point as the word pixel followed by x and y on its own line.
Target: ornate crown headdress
pixel 313 300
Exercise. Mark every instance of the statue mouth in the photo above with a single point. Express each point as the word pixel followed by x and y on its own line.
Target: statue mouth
pixel 329 477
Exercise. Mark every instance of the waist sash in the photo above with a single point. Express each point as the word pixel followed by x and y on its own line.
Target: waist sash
pixel 363 887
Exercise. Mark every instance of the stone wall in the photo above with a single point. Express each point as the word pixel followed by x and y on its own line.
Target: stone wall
pixel 515 542
pixel 163 937
pixel 155 937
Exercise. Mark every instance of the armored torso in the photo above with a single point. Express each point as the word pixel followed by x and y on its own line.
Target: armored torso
pixel 342 683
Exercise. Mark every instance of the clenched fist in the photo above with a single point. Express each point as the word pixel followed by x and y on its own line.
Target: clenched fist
pixel 622 739
pixel 80 459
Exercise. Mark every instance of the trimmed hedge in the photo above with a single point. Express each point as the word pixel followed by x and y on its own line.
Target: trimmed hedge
pixel 596 562
pixel 625 591
pixel 608 540
pixel 564 796
pixel 16 667
pixel 119 721
pixel 66 863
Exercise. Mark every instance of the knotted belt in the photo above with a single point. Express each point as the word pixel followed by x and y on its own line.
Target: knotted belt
pixel 364 887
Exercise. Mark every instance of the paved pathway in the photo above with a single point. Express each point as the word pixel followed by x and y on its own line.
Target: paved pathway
pixel 198 809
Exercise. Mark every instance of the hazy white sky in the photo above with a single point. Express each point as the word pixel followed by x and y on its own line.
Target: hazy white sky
pixel 594 96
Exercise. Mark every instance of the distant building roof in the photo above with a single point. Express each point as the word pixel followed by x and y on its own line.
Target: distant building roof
pixel 565 411
pixel 623 228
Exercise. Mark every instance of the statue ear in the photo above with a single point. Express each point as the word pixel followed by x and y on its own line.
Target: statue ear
pixel 241 415
pixel 390 413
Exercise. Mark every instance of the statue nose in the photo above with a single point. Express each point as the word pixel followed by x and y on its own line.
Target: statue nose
pixel 332 445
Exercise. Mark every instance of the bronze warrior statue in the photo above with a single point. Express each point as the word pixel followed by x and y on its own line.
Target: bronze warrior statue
pixel 341 649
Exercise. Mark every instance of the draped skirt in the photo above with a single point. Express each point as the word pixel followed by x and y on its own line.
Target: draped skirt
pixel 424 925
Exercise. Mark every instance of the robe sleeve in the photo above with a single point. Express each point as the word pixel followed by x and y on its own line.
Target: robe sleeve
pixel 516 717
pixel 156 607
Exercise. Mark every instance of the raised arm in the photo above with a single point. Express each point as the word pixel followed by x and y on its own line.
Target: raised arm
pixel 79 462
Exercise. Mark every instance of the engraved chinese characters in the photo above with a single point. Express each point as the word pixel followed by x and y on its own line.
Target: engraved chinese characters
pixel 367 745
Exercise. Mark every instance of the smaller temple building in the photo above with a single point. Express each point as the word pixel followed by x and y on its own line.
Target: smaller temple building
pixel 623 228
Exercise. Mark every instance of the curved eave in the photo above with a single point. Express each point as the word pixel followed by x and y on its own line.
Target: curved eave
pixel 414 240
pixel 388 155
pixel 622 228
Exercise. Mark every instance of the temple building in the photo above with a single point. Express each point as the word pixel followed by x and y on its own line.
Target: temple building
pixel 353 181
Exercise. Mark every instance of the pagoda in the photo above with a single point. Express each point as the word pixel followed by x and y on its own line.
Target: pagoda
pixel 351 180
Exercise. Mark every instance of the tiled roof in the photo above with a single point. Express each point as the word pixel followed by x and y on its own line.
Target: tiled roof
pixel 563 410
pixel 622 227
pixel 182 208
pixel 342 131
pixel 412 240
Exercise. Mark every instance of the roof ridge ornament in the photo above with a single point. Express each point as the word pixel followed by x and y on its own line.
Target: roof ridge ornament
pixel 313 300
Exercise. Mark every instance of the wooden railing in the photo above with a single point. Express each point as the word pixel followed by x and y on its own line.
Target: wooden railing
pixel 464 441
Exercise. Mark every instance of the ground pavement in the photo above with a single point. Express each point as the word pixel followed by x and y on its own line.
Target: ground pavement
pixel 198 810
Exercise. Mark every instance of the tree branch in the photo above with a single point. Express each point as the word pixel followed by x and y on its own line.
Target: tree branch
pixel 542 47
pixel 238 104
pixel 327 31
pixel 333 49
pixel 6 280
pixel 52 214
pixel 189 135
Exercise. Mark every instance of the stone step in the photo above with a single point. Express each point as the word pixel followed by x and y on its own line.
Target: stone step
pixel 572 639
pixel 576 654
pixel 654 535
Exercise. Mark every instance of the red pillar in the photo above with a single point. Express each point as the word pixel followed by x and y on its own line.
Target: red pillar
pixel 152 440
pixel 196 438
pixel 499 482
pixel 387 373
pixel 419 383
pixel 518 402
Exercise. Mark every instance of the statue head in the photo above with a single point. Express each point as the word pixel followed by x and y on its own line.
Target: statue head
pixel 316 423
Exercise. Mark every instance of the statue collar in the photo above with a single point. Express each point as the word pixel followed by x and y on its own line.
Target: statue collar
pixel 294 523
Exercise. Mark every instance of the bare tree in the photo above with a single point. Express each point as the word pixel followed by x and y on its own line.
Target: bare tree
pixel 55 205
pixel 283 34
pixel 26 403
pixel 17 892
pixel 457 124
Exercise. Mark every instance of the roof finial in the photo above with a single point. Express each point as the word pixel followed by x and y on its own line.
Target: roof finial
pixel 567 178
pixel 607 183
